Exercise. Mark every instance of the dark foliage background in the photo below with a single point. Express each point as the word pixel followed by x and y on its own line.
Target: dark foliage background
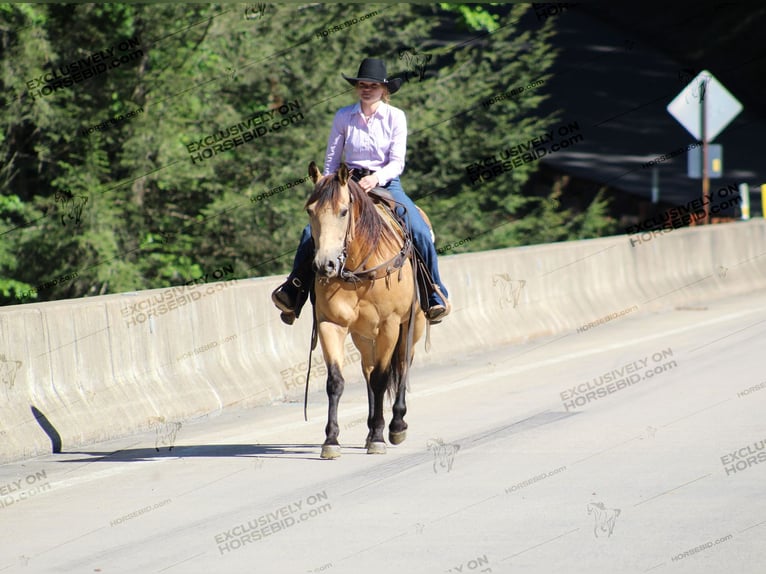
pixel 151 218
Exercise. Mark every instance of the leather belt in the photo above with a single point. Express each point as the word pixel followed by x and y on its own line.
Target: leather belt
pixel 358 173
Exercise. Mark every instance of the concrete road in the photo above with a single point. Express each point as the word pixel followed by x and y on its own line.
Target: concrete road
pixel 637 446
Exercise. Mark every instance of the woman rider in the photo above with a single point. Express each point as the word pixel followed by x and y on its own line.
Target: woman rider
pixel 373 135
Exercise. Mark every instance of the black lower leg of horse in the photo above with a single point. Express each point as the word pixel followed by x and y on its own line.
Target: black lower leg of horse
pixel 398 427
pixel 370 413
pixel 335 385
pixel 378 383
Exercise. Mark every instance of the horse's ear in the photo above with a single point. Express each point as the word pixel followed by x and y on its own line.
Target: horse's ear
pixel 314 172
pixel 343 174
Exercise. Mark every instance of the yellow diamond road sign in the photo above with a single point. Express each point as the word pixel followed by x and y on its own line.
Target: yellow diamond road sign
pixel 720 106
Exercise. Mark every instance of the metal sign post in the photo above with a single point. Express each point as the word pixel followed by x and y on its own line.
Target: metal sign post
pixel 716 108
pixel 703 130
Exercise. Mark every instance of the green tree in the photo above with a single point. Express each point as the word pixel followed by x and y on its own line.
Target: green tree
pixel 154 216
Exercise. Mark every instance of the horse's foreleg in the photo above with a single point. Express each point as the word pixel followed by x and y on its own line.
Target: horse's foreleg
pixel 335 384
pixel 332 337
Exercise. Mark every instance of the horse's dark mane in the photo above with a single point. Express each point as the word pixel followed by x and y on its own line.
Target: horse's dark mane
pixel 369 226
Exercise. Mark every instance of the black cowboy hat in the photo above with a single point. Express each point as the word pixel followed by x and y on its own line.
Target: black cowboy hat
pixel 374 70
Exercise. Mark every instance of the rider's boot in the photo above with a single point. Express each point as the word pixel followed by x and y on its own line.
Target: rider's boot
pixel 293 293
pixel 438 305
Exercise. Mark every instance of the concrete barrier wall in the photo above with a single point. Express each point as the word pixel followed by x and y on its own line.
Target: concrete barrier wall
pixel 102 367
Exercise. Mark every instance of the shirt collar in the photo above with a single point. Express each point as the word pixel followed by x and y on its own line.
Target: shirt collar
pixel 381 111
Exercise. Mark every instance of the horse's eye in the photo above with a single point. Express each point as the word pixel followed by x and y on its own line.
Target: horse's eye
pixel 344 212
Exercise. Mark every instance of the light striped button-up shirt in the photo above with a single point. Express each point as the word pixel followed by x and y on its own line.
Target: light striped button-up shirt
pixel 379 145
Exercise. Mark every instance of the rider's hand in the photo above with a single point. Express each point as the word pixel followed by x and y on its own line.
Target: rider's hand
pixel 369 182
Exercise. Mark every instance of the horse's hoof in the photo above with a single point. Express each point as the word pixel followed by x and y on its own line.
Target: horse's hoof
pixel 397 437
pixel 376 448
pixel 330 451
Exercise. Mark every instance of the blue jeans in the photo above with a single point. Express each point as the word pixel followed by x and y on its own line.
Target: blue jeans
pixel 417 226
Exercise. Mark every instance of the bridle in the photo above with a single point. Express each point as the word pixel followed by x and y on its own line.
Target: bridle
pixel 380 271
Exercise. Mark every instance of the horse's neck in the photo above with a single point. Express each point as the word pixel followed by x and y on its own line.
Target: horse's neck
pixel 371 255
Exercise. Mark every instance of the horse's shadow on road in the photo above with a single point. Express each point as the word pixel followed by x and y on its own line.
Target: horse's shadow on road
pixel 277 451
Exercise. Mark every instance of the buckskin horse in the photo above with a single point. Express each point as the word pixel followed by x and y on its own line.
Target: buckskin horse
pixel 364 286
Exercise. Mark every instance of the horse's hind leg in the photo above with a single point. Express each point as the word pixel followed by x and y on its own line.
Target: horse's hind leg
pixel 370 413
pixel 376 444
pixel 397 430
pixel 380 379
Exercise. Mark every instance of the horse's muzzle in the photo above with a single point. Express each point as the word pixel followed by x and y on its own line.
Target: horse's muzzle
pixel 329 268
